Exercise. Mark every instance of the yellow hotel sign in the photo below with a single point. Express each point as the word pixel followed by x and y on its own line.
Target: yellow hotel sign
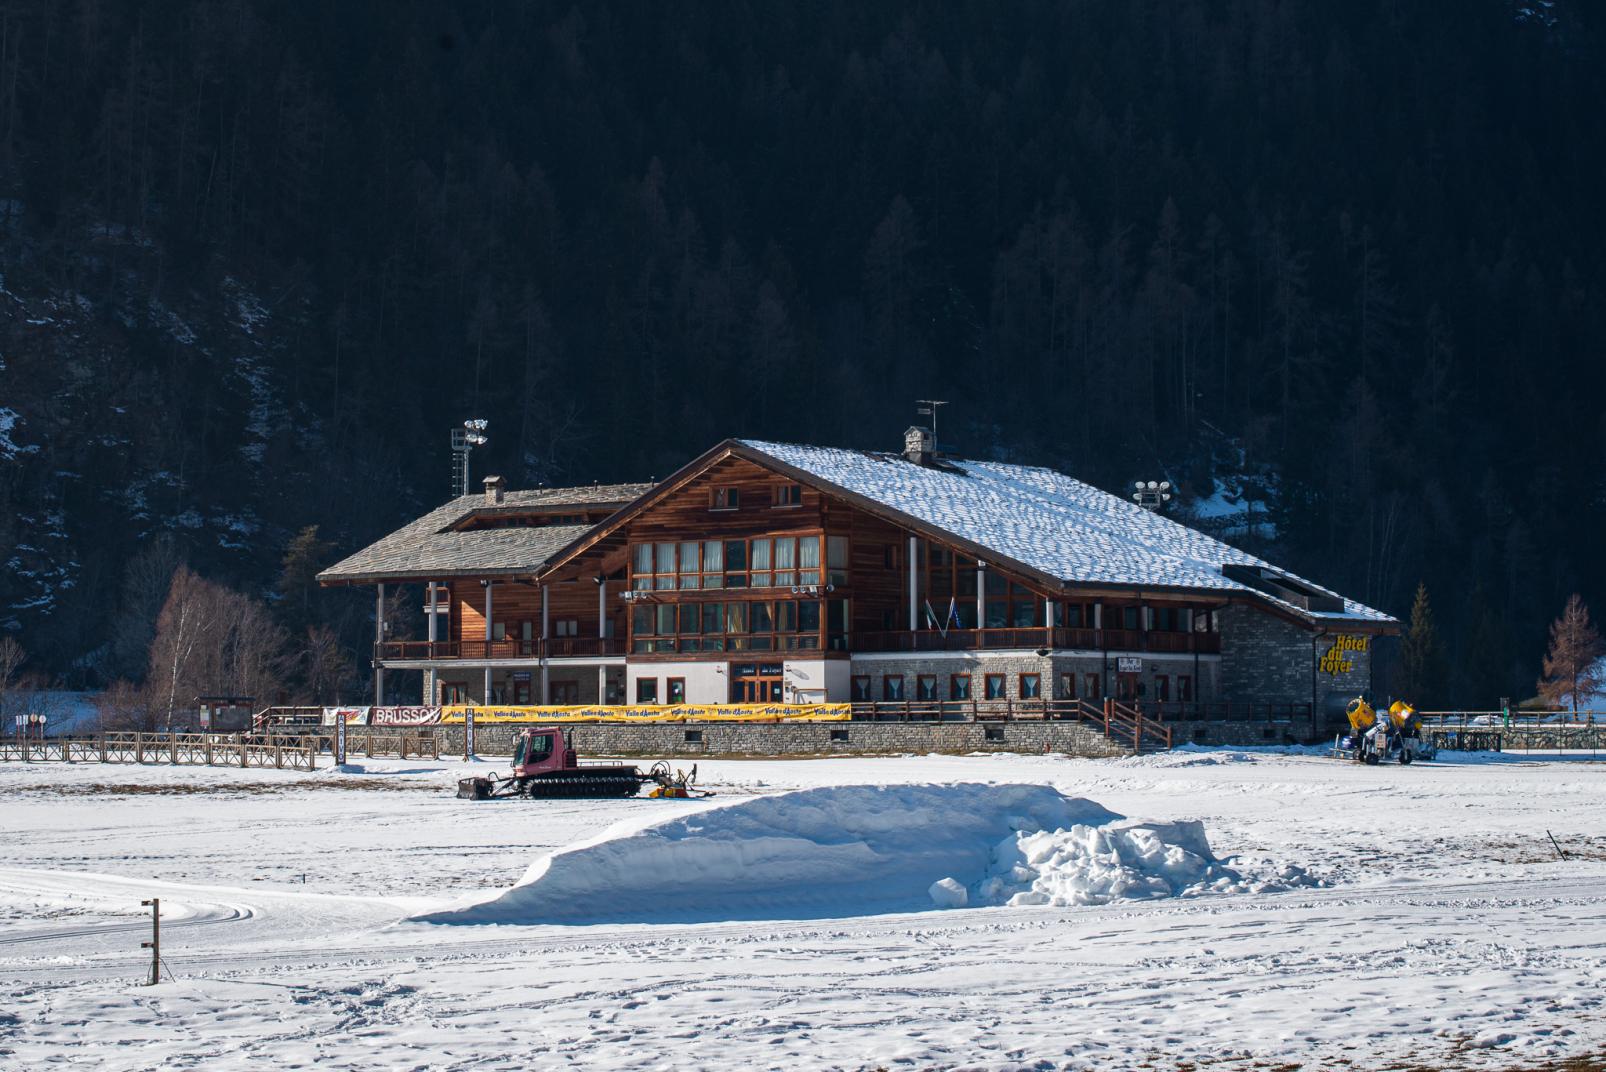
pixel 1336 660
pixel 820 712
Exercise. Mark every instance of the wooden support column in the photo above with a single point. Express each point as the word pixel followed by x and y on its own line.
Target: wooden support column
pixel 489 585
pixel 379 638
pixel 602 634
pixel 431 676
pixel 981 594
pixel 914 574
pixel 546 633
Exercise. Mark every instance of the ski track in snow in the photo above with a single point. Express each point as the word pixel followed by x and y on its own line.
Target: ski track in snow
pixel 1450 934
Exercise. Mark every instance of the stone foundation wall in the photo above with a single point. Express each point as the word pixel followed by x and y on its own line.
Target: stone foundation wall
pixel 707 739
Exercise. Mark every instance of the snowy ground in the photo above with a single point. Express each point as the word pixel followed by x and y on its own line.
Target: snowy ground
pixel 1446 932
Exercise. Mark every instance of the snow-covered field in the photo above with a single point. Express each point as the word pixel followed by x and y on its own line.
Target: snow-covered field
pixel 1351 916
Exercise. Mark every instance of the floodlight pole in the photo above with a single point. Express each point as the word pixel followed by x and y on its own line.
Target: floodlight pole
pixel 464 440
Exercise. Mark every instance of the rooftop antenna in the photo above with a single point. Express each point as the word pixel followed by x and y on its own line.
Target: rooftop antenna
pixel 928 408
pixel 464 440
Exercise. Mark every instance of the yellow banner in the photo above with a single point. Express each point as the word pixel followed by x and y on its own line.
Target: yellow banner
pixel 820 712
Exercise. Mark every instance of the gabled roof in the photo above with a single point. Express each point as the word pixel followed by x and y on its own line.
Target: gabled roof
pixel 1055 526
pixel 431 548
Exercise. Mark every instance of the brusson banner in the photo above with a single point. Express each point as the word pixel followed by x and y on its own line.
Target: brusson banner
pixel 819 712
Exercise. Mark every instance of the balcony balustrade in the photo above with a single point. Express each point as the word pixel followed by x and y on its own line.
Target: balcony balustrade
pixel 903 640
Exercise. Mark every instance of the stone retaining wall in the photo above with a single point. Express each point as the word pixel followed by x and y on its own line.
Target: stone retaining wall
pixel 690 739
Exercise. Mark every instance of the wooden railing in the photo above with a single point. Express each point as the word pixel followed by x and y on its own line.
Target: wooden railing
pixel 192 749
pixel 921 640
pixel 552 648
pixel 1128 725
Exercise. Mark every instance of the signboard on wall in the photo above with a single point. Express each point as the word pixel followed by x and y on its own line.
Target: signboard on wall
pixel 340 742
pixel 1339 659
pixel 1129 664
pixel 468 732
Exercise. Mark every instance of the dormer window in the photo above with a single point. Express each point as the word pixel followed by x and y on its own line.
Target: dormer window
pixel 788 495
pixel 724 497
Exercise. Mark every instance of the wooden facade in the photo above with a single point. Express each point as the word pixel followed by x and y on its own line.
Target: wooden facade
pixel 738 575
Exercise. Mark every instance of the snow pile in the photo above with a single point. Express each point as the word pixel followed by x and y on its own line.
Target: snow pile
pixel 1092 865
pixel 858 850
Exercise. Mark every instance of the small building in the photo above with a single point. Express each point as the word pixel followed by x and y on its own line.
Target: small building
pixel 771 572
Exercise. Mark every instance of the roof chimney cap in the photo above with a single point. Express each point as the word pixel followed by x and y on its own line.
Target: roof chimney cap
pixel 495 489
pixel 918 444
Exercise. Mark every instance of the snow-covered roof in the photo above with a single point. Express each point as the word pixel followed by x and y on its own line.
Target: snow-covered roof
pixel 434 547
pixel 1045 520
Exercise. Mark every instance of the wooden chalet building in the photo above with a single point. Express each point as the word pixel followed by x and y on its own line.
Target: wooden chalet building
pixel 767 572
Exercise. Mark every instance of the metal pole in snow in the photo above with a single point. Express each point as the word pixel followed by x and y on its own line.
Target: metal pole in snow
pixel 155 944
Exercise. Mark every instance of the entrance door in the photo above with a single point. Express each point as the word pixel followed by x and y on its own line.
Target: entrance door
pixel 1126 687
pixel 755 682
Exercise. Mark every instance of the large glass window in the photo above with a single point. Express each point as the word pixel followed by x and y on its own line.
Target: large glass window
pixel 760 559
pixel 749 625
pixel 735 563
pixel 691 565
pixel 762 562
pixel 713 564
pixel 785 561
pixel 808 560
pixel 836 559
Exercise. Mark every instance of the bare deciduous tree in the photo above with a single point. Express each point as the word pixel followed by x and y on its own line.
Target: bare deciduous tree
pixel 211 640
pixel 1572 667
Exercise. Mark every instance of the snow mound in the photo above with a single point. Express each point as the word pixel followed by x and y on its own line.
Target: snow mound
pixel 857 850
pixel 1092 865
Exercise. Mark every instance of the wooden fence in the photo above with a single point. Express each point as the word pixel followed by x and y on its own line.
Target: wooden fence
pixel 179 749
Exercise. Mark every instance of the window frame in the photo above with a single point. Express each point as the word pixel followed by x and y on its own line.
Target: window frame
pixel 921 688
pixel 1003 686
pixel 724 498
pixel 670 685
pixel 652 683
pixel 1037 686
pixel 886 688
pixel 786 495
pixel 953 680
pixel 858 694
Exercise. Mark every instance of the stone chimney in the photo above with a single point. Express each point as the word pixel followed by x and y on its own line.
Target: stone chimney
pixel 918 445
pixel 495 490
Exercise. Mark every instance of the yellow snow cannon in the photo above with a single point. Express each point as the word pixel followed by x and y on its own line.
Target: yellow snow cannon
pixel 1361 715
pixel 1403 715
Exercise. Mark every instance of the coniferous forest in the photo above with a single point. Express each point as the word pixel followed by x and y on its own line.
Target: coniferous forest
pixel 1343 261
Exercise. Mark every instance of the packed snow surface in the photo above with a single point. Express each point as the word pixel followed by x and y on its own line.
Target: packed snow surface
pixel 858 850
pixel 1446 932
